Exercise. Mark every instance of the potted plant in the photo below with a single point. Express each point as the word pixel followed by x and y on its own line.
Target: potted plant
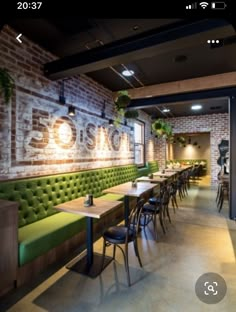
pixel 181 140
pixel 162 129
pixel 123 99
pixel 6 84
pixel 131 114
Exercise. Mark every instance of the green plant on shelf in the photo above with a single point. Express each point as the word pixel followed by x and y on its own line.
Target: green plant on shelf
pixel 6 84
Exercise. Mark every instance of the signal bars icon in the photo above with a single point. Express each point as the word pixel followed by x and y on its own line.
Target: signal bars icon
pixel 191 6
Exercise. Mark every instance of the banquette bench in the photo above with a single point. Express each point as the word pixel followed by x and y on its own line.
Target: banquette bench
pixel 41 227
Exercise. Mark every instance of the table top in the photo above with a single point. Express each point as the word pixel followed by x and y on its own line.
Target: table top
pixel 129 190
pixel 155 179
pixel 180 169
pixel 166 174
pixel 100 207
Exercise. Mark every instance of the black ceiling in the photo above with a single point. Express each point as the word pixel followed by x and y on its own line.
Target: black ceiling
pixel 188 56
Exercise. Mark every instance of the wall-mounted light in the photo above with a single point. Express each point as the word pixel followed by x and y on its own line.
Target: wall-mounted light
pixel 111 123
pixel 71 110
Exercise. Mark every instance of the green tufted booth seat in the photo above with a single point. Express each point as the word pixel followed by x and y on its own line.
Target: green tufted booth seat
pixel 41 227
pixel 153 166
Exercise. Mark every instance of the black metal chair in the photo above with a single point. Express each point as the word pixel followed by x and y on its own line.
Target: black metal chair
pixel 156 206
pixel 123 235
pixel 173 193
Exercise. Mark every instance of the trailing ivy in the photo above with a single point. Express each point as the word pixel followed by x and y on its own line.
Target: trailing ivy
pixel 6 84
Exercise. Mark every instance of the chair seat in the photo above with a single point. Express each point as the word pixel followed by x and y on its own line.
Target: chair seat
pixel 150 208
pixel 154 201
pixel 117 234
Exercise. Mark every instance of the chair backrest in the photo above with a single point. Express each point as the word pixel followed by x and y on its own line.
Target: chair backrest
pixel 134 216
pixel 165 197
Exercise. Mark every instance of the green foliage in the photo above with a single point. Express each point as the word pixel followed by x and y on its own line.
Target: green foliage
pixel 131 114
pixel 119 117
pixel 181 140
pixel 6 84
pixel 162 129
pixel 123 99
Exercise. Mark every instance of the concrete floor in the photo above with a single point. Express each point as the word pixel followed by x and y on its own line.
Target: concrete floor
pixel 199 240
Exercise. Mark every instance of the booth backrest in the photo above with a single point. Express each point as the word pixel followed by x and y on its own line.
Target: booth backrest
pixel 153 166
pixel 37 196
pixel 118 175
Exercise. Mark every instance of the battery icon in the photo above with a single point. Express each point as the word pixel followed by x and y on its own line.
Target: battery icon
pixel 218 5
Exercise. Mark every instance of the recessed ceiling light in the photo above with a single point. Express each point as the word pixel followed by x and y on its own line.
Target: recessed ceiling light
pixel 127 73
pixel 166 110
pixel 196 107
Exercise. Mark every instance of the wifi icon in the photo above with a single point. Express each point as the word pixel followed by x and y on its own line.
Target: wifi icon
pixel 203 4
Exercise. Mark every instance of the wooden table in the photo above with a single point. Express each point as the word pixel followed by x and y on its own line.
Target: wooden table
pixel 180 169
pixel 166 174
pixel 155 179
pixel 90 264
pixel 127 190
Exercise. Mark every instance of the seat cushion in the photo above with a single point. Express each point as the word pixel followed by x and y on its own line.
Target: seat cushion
pixel 150 208
pixel 39 237
pixel 117 234
pixel 110 196
pixel 154 201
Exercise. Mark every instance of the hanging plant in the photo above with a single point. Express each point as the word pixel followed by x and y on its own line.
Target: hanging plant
pixel 181 140
pixel 6 84
pixel 119 117
pixel 131 114
pixel 162 129
pixel 123 99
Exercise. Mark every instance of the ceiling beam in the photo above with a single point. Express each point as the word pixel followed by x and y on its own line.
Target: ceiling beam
pixel 183 86
pixel 129 49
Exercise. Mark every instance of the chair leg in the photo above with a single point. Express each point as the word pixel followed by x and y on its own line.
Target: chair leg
pixel 175 200
pixel 173 203
pixel 167 211
pixel 162 224
pixel 127 264
pixel 155 226
pixel 137 252
pixel 218 193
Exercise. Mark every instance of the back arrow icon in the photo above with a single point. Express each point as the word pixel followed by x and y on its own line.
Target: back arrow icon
pixel 18 38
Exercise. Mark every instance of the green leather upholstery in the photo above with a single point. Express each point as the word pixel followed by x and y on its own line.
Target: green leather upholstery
pixel 39 237
pixel 153 166
pixel 144 171
pixel 40 226
pixel 37 196
pixel 118 175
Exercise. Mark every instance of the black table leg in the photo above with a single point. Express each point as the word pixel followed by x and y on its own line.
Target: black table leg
pixel 90 264
pixel 89 241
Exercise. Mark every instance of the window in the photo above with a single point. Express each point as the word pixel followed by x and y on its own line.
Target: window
pixel 139 157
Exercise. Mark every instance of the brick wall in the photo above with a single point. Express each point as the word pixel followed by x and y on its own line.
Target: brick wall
pixel 216 124
pixel 38 137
